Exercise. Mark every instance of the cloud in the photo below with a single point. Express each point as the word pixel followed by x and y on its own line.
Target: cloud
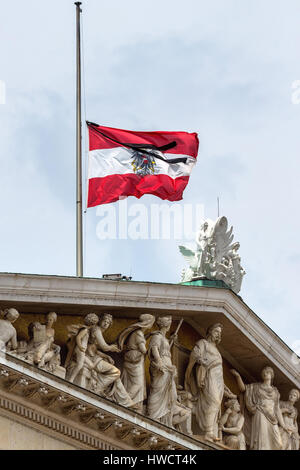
pixel 223 69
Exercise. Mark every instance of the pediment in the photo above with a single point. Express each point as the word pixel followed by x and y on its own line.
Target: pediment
pixel 247 343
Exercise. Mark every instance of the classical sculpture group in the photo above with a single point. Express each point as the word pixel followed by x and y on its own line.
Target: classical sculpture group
pixel 202 406
pixel 215 257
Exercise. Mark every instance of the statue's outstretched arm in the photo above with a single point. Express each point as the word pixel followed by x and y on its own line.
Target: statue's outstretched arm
pixel 224 418
pixel 239 380
pixel 101 343
pixel 228 393
pixel 182 348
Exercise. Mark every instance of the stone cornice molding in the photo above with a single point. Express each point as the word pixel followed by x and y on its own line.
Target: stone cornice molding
pixel 86 292
pixel 79 417
pixel 53 427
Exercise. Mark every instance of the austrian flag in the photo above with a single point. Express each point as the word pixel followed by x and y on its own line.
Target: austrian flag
pixel 126 163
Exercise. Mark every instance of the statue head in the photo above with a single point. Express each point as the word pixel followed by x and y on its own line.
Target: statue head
pixel 146 320
pixel 11 314
pixel 164 322
pixel 233 404
pixel 91 319
pixel 51 318
pixel 203 232
pixel 267 372
pixel 214 332
pixel 105 321
pixel 294 395
pixel 236 246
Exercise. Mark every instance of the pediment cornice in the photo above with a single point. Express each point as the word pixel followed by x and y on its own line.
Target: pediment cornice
pixel 198 305
pixel 66 412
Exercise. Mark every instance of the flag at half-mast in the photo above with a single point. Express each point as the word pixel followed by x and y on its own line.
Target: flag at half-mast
pixel 129 163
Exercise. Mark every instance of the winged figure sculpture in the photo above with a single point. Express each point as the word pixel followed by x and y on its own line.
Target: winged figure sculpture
pixel 215 256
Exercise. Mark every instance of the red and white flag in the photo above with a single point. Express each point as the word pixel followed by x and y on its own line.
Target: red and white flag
pixel 125 163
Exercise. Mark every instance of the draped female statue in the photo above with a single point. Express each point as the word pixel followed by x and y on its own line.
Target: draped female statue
pixel 133 342
pixel 290 440
pixel 262 402
pixel 163 404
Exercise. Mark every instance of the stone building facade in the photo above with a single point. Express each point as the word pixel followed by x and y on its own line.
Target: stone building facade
pixel 40 408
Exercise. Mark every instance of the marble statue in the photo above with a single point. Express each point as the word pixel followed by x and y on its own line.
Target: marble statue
pixel 262 402
pixel 259 419
pixel 290 439
pixel 133 342
pixel 163 404
pixel 204 380
pixel 8 334
pixel 79 335
pixel 41 350
pixel 231 425
pixel 187 401
pixel 98 374
pixel 215 257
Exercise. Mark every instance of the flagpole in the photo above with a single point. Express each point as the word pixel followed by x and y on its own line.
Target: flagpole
pixel 79 231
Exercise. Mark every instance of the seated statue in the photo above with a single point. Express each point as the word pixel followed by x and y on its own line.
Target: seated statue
pixel 231 425
pixel 40 349
pixel 96 370
pixel 187 401
pixel 8 334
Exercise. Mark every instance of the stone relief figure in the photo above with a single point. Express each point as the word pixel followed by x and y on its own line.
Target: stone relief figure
pixel 187 401
pixel 215 256
pixel 99 373
pixel 204 380
pixel 231 425
pixel 8 334
pixel 79 335
pixel 163 404
pixel 262 402
pixel 290 439
pixel 198 259
pixel 132 341
pixel 40 349
pixel 237 272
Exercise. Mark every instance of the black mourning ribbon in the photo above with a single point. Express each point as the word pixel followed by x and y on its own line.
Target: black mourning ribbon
pixel 143 148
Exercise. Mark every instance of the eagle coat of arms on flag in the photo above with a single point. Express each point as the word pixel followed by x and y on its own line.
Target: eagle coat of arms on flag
pixel 143 164
pixel 126 163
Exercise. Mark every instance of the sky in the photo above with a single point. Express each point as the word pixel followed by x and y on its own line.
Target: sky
pixel 223 69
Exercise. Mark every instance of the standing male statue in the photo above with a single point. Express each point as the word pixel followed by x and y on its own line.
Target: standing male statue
pixel 204 380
